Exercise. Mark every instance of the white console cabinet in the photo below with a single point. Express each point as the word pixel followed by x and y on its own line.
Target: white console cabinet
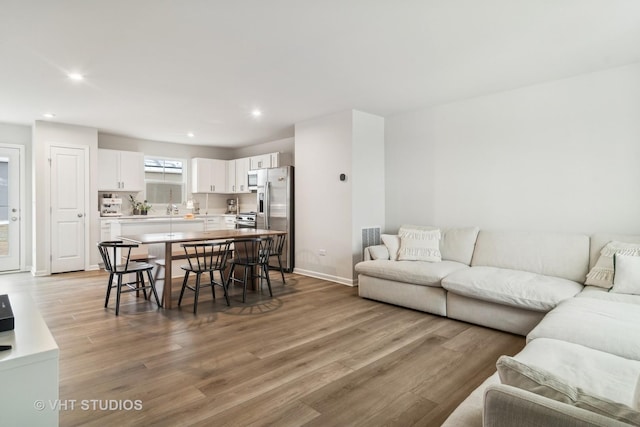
pixel 29 371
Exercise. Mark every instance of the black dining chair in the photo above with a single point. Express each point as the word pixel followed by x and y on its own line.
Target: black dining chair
pixel 252 255
pixel 207 257
pixel 276 251
pixel 111 252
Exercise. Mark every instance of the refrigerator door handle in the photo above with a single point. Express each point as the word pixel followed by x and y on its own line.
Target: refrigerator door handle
pixel 267 202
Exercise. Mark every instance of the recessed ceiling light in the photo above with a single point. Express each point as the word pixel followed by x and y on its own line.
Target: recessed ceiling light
pixel 75 76
pixel 48 115
pixel 256 113
pixel 191 135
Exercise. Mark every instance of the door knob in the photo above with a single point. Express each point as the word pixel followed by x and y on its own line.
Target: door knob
pixel 14 218
pixel 14 210
pixel 80 215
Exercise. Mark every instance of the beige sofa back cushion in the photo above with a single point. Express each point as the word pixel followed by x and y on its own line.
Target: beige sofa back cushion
pixel 553 254
pixel 457 244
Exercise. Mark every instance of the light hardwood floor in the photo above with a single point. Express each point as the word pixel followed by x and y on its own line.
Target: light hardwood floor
pixel 315 354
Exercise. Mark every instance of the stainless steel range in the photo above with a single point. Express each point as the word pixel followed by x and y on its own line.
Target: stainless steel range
pixel 246 220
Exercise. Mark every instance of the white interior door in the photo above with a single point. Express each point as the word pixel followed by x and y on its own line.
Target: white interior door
pixel 10 235
pixel 67 209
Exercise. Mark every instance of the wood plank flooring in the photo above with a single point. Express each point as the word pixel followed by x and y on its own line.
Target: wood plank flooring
pixel 315 354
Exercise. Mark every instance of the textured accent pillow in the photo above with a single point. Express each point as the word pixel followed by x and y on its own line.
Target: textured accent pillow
pixel 602 273
pixel 392 242
pixel 419 244
pixel 544 383
pixel 626 277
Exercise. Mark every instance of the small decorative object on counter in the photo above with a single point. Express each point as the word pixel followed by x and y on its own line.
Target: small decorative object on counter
pixel 145 207
pixel 135 204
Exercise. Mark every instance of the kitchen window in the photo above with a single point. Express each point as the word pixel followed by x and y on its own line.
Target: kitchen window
pixel 165 180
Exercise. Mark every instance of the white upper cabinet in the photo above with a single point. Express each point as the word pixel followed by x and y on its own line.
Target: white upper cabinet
pixel 208 176
pixel 265 161
pixel 231 176
pixel 120 170
pixel 242 170
pixel 237 171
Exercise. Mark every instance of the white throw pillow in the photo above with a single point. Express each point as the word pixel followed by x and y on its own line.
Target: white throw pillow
pixel 626 278
pixel 378 252
pixel 419 244
pixel 544 383
pixel 602 273
pixel 392 242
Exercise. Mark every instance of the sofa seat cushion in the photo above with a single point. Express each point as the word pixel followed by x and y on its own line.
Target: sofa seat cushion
pixel 511 287
pixel 596 372
pixel 604 294
pixel 608 326
pixel 414 272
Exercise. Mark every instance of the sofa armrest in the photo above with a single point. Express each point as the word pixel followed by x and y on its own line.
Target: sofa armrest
pixel 376 252
pixel 506 406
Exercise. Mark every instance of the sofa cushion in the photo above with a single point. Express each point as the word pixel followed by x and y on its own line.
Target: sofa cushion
pixel 419 244
pixel 597 372
pixel 604 294
pixel 392 242
pixel 608 326
pixel 602 273
pixel 636 396
pixel 552 254
pixel 511 287
pixel 456 244
pixel 626 279
pixel 542 382
pixel 378 252
pixel 414 272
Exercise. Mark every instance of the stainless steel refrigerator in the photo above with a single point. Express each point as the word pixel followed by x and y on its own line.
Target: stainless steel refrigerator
pixel 275 207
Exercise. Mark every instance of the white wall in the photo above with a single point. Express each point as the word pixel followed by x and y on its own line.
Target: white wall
pixel 367 178
pixel 157 148
pixel 329 213
pixel 286 148
pixel 558 156
pixel 21 135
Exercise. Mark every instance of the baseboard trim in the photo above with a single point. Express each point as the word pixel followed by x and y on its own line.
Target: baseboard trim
pixel 330 278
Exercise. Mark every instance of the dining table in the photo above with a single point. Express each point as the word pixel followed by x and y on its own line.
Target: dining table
pixel 191 236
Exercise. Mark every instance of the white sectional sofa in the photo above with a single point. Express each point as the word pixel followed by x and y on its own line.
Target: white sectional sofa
pixel 581 364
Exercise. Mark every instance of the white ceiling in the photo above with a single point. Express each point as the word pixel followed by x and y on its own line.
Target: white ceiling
pixel 158 69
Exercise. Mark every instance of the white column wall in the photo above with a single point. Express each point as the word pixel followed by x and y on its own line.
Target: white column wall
pixel 367 179
pixel 323 202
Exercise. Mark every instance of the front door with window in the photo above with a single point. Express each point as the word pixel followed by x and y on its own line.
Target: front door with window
pixel 10 236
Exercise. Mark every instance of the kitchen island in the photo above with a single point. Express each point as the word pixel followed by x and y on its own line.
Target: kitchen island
pixel 168 239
